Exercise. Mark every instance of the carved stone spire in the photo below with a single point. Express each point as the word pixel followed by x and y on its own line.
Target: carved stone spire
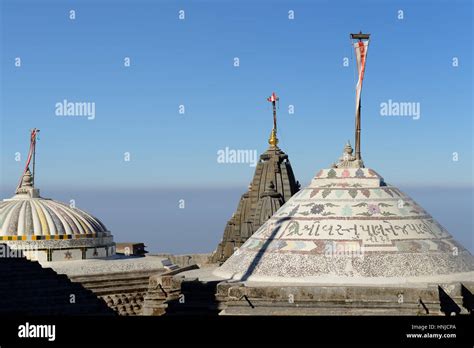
pixel 273 183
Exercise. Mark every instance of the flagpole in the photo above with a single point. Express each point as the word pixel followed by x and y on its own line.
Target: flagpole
pixel 273 141
pixel 357 133
pixel 358 155
pixel 34 159
pixel 274 115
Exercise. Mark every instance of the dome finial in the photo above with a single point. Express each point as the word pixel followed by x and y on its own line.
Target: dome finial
pixel 27 179
pixel 348 160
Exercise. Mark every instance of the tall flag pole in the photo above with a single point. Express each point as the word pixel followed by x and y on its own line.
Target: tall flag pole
pixel 361 45
pixel 273 138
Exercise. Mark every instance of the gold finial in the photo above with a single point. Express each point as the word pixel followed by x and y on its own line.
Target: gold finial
pixel 273 141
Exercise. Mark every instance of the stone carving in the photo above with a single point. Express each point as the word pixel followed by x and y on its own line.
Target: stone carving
pixel 273 184
pixel 348 160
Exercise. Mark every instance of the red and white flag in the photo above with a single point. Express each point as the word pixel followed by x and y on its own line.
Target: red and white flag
pixel 272 98
pixel 34 133
pixel 361 48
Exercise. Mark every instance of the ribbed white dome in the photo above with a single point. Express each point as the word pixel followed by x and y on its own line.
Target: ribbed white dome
pixel 47 230
pixel 26 216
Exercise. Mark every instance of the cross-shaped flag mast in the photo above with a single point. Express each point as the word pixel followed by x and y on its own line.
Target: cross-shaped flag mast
pixel 273 138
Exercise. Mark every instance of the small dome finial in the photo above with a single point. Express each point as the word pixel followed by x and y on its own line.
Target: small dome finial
pixel 27 179
pixel 348 160
pixel 348 148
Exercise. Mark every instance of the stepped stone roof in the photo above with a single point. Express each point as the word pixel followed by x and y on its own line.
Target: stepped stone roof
pixel 348 224
pixel 29 289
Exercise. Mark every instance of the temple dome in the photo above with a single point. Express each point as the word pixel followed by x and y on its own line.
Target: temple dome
pixel 34 224
pixel 23 215
pixel 47 230
pixel 348 225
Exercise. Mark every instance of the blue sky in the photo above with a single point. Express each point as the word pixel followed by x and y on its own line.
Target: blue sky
pixel 190 62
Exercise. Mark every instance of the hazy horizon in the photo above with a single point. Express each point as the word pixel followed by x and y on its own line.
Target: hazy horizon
pixel 153 216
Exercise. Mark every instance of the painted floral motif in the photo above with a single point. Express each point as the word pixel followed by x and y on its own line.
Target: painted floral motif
pixel 353 193
pixel 345 173
pixel 365 192
pixel 317 209
pixel 373 209
pixel 326 193
pixel 313 193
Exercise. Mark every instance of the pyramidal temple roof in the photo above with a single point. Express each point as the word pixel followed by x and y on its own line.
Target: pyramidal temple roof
pixel 272 185
pixel 348 225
